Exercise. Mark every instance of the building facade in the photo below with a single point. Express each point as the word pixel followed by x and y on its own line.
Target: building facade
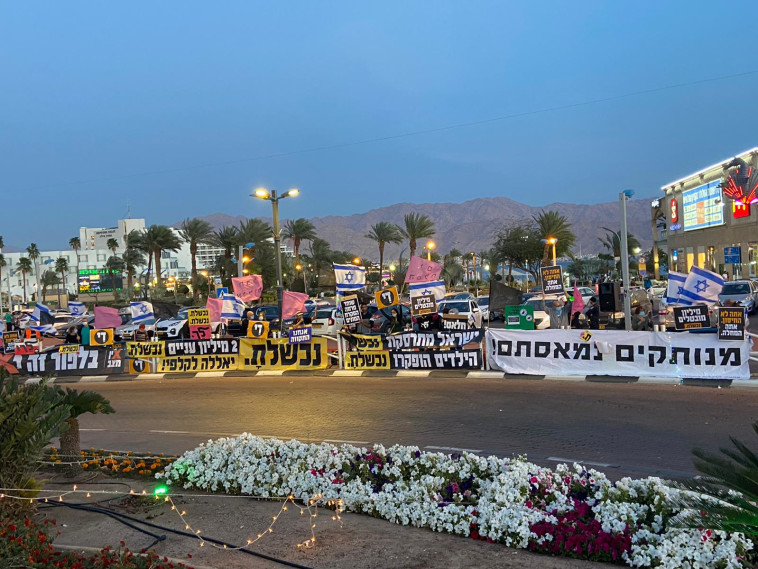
pixel 705 228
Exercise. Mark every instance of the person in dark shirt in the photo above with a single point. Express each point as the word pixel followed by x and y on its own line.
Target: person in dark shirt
pixel 72 335
pixel 593 314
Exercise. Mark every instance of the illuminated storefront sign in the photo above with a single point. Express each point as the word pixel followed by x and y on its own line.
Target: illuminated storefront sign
pixel 702 207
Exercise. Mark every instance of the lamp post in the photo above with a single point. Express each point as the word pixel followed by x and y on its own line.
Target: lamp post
pixel 430 245
pixel 242 258
pixel 623 197
pixel 264 194
pixel 551 241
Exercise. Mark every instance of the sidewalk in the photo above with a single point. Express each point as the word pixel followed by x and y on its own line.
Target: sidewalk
pixel 751 383
pixel 360 541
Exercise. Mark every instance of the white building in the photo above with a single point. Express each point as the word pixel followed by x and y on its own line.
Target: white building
pixel 97 237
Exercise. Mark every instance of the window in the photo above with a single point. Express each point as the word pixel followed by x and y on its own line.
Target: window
pixel 83 258
pixel 101 257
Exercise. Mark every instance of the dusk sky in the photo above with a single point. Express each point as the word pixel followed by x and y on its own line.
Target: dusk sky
pixel 180 109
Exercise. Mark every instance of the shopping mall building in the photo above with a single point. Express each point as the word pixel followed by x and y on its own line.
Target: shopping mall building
pixel 705 227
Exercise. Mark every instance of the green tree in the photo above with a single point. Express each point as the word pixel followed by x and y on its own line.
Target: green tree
pixel 551 224
pixel 25 266
pixel 78 403
pixel 133 258
pixel 452 272
pixel 298 230
pixel 153 241
pixel 61 266
pixel 384 232
pixel 3 264
pixel 417 226
pixel 33 253
pixel 725 496
pixel 30 417
pixel 227 238
pixel 114 264
pixel 520 247
pixel 76 245
pixel 195 231
pixel 112 244
pixel 49 278
pixel 612 242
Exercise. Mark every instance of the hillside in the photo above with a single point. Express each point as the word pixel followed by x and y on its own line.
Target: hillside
pixel 472 225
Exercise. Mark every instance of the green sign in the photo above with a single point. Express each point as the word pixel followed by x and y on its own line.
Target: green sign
pixel 519 317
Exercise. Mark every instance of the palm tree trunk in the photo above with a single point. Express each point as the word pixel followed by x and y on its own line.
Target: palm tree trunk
pixel 158 267
pixel 70 446
pixel 193 255
pixel 23 276
pixel 412 245
pixel 381 262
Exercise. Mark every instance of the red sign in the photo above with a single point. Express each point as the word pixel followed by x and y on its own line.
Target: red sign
pixel 674 211
pixel 740 209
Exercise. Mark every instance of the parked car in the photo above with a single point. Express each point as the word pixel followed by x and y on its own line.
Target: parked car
pixel 484 306
pixel 587 293
pixel 128 328
pixel 465 307
pixel 744 293
pixel 178 326
pixel 327 321
pixel 666 315
pixel 463 296
pixel 541 315
pixel 380 324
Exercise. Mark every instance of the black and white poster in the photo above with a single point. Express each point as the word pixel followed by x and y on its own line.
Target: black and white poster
pixel 552 279
pixel 453 359
pixel 731 323
pixel 351 310
pixel 416 340
pixel 85 361
pixel 691 317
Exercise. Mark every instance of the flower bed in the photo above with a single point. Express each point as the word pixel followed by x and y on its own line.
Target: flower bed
pixel 116 462
pixel 567 511
pixel 26 543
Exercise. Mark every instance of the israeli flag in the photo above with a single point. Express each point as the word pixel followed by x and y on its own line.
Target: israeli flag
pixel 77 308
pixel 676 289
pixel 232 307
pixel 41 315
pixel 702 286
pixel 434 288
pixel 45 330
pixel 142 312
pixel 349 277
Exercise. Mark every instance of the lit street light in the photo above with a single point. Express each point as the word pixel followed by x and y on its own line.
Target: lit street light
pixel 551 241
pixel 264 194
pixel 430 245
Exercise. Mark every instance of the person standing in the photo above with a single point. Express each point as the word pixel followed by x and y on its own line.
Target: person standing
pixel 555 311
pixel 72 335
pixel 141 334
pixel 593 314
pixel 8 321
pixel 396 324
pixel 84 333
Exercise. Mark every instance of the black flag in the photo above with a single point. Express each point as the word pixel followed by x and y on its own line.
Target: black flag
pixel 503 295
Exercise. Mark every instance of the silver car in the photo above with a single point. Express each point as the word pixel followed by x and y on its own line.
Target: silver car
pixel 744 293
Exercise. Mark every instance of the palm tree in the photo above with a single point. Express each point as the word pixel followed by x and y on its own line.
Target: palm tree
pixel 133 258
pixel 25 266
pixel 384 232
pixel 298 230
pixel 112 244
pixel 49 278
pixel 76 245
pixel 254 230
pixel 3 263
pixel 79 402
pixel 33 252
pixel 227 238
pixel 551 224
pixel 153 241
pixel 612 242
pixel 61 266
pixel 2 243
pixel 195 231
pixel 114 264
pixel 417 226
pixel 726 497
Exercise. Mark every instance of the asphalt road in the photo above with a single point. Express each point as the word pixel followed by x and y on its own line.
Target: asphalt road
pixel 623 429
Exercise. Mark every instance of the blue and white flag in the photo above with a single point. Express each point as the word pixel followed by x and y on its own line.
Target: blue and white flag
pixel 231 307
pixel 142 312
pixel 676 288
pixel 41 315
pixel 702 286
pixel 45 330
pixel 349 277
pixel 77 308
pixel 434 288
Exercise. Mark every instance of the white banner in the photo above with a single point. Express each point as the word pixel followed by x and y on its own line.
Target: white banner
pixel 616 352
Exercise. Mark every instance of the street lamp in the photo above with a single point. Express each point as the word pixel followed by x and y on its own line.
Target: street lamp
pixel 623 198
pixel 264 194
pixel 356 261
pixel 551 241
pixel 430 245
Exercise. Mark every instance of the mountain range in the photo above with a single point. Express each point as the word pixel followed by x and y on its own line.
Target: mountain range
pixel 472 225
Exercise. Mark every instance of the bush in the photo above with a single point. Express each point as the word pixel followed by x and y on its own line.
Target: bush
pixel 30 418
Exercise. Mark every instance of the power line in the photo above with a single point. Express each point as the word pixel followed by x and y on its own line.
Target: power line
pixel 401 135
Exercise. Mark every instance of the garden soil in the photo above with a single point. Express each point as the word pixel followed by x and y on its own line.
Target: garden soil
pixel 356 541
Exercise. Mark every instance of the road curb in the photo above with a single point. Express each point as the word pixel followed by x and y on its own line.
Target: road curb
pixel 390 374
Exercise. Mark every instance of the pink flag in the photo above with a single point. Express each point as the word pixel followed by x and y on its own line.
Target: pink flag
pixel 248 288
pixel 292 303
pixel 106 317
pixel 422 271
pixel 578 304
pixel 214 306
